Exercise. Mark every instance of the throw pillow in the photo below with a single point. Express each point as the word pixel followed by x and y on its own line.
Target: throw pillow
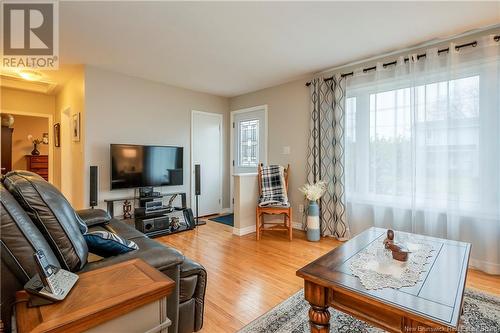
pixel 107 244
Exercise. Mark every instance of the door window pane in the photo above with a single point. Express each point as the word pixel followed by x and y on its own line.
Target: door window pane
pixel 249 143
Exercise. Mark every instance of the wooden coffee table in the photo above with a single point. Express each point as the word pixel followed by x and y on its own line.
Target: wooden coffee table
pixel 434 304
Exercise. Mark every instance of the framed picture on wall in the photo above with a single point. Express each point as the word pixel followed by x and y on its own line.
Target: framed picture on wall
pixel 57 135
pixel 75 124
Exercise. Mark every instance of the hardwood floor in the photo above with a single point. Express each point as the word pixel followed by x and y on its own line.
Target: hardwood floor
pixel 247 278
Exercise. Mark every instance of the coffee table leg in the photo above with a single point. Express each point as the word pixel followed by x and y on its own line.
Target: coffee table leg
pixel 319 316
pixel 319 319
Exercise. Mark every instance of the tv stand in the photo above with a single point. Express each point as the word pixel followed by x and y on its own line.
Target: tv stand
pixel 141 200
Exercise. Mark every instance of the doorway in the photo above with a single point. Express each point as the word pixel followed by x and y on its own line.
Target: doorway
pixel 206 151
pixel 248 142
pixel 18 143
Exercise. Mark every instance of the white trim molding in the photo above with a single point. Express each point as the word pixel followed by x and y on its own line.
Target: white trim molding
pixel 243 231
pixel 227 210
pixel 297 225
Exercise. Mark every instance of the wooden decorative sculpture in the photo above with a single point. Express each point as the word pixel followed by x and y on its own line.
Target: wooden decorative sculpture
pixel 127 208
pixel 399 251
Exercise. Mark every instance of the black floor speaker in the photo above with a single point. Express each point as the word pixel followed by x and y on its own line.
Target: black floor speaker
pixel 197 179
pixel 94 185
pixel 197 190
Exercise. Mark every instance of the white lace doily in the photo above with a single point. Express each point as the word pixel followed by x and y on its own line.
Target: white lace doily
pixel 376 269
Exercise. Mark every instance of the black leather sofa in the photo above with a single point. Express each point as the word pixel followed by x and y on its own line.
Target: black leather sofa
pixel 35 215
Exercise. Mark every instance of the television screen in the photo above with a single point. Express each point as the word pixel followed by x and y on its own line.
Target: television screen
pixel 140 166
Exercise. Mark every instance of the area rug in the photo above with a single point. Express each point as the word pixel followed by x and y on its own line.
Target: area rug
pixel 481 314
pixel 224 219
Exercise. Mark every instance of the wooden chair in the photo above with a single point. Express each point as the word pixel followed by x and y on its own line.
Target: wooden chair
pixel 273 210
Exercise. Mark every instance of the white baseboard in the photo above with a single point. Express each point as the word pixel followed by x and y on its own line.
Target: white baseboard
pixel 484 266
pixel 226 210
pixel 297 225
pixel 243 231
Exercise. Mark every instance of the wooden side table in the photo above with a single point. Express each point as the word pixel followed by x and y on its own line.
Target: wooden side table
pixel 125 297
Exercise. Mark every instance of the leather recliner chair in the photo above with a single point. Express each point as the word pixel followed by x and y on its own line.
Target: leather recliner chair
pixel 20 237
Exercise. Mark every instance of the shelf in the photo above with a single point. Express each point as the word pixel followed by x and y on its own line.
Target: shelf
pixel 162 195
pixel 110 202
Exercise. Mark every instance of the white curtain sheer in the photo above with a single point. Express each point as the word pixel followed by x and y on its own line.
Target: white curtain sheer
pixel 422 145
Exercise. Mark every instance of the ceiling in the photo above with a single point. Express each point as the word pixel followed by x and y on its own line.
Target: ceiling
pixel 231 48
pixel 50 81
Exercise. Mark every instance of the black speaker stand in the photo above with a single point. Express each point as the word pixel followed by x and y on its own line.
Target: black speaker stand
pixel 198 222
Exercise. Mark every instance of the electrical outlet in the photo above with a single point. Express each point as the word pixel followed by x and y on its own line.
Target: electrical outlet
pixel 301 208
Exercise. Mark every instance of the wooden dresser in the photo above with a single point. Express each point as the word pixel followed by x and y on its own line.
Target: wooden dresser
pixel 38 164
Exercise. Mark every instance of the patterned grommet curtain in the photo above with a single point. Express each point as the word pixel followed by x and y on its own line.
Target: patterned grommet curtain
pixel 325 156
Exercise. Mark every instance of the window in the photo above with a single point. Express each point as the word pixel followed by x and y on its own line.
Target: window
pixel 249 143
pixel 422 142
pixel 422 148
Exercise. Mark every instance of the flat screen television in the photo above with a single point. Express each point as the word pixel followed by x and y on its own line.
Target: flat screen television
pixel 135 166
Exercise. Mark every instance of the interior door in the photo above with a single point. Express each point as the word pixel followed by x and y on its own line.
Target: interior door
pixel 249 140
pixel 206 151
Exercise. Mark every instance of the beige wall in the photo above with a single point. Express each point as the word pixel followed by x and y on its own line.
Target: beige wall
pixel 21 146
pixel 288 117
pixel 25 101
pixel 71 98
pixel 124 109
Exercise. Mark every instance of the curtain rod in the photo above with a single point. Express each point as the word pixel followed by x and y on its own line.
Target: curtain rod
pixel 423 55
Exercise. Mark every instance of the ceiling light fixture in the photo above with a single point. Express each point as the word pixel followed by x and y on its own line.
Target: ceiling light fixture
pixel 30 75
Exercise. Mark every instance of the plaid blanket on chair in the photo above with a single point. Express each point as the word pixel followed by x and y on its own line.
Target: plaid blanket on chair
pixel 273 189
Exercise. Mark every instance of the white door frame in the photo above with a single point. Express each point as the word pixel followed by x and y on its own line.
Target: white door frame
pixel 231 148
pixel 50 123
pixel 191 164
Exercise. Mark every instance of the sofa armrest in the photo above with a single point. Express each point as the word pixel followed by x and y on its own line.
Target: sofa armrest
pixel 190 267
pixel 193 283
pixel 93 216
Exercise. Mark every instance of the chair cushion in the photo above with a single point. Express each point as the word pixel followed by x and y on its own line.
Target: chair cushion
pixel 107 244
pixel 20 238
pixel 53 215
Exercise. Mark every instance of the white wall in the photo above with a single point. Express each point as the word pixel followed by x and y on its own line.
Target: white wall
pixel 124 109
pixel 288 117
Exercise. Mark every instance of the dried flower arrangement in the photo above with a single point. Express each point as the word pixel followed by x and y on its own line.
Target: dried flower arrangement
pixel 313 192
